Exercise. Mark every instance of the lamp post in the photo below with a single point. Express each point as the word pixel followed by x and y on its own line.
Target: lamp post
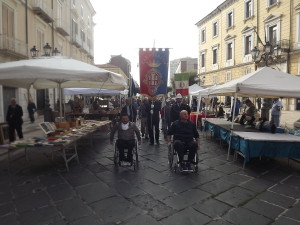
pixel 200 79
pixel 48 115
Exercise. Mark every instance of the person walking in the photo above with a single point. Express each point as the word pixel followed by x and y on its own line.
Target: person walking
pixel 177 107
pixel 275 113
pixel 143 115
pixel 166 117
pixel 31 110
pixel 14 119
pixel 153 109
pixel 130 110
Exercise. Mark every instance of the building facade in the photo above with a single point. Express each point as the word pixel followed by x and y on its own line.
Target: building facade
pixel 230 32
pixel 183 65
pixel 66 25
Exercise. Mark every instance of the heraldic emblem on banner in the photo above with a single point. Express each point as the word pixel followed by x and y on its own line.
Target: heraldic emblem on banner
pixel 154 71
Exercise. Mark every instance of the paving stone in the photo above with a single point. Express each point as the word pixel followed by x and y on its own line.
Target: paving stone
pixel 155 190
pixel 294 212
pixel 153 207
pixel 292 181
pixel 141 219
pixel 26 189
pixel 285 221
pixel 235 196
pixel 213 162
pixel 73 209
pixel 179 185
pixel 61 192
pixel 105 161
pixel 109 177
pixel 6 208
pixel 276 175
pixel 227 168
pixel 206 176
pixel 212 208
pixel 45 215
pixel 95 192
pixel 127 190
pixel 5 197
pixel 236 178
pixel 287 190
pixel 217 186
pixel 245 217
pixel 157 177
pixel 219 222
pixel 187 216
pixel 32 201
pixel 89 220
pixel 186 198
pixel 122 209
pixel 277 199
pixel 257 185
pixel 9 220
pixel 51 179
pixel 81 178
pixel 264 208
pixel 96 168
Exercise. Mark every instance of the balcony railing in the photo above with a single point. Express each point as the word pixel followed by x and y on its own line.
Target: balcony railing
pixel 41 9
pixel 13 47
pixel 61 27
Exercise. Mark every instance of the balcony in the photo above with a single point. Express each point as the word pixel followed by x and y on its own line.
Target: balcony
pixel 76 40
pixel 12 47
pixel 41 9
pixel 61 27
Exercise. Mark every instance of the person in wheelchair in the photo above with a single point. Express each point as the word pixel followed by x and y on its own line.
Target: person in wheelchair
pixel 184 131
pixel 126 139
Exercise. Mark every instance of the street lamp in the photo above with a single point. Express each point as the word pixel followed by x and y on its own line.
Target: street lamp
pixel 56 52
pixel 47 49
pixel 201 79
pixel 34 52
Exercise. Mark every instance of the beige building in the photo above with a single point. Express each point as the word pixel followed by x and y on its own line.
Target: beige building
pixel 66 25
pixel 229 33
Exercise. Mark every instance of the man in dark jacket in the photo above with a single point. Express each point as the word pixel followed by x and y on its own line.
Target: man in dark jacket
pixel 153 110
pixel 31 109
pixel 177 107
pixel 130 110
pixel 14 120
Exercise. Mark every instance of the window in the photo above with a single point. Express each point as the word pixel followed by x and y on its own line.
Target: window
pixel 297 44
pixel 248 8
pixel 203 35
pixel 183 66
pixel 202 59
pixel 195 66
pixel 8 21
pixel 82 35
pixel 230 19
pixel 215 29
pixel 228 76
pixel 59 14
pixel 88 22
pixel 273 34
pixel 81 11
pixel 74 2
pixel 74 28
pixel 248 44
pixel 229 51
pixel 272 2
pixel 215 56
pixel 40 38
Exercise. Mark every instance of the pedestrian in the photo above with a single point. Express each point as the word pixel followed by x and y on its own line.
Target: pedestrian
pixel 276 112
pixel 258 101
pixel 14 120
pixel 165 113
pixel 143 115
pixel 236 111
pixel 153 109
pixel 130 110
pixel 177 107
pixel 31 110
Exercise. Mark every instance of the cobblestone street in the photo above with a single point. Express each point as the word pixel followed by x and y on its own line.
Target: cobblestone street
pixel 93 192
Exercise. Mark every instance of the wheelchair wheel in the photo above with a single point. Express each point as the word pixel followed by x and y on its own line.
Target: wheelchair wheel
pixel 116 156
pixel 196 162
pixel 170 155
pixel 135 157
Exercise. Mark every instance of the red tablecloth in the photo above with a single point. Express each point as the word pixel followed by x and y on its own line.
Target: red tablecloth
pixel 193 117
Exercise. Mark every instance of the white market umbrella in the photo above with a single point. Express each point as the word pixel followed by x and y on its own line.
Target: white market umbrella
pixel 58 72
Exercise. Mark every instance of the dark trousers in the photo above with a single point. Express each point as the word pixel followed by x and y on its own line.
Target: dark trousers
pixel 153 125
pixel 125 144
pixel 12 128
pixel 182 147
pixel 249 122
pixel 31 116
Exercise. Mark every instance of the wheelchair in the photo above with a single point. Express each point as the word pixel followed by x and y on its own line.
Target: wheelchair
pixel 135 157
pixel 174 165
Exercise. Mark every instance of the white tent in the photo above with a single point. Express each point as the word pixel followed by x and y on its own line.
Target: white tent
pixel 91 91
pixel 48 72
pixel 194 88
pixel 266 83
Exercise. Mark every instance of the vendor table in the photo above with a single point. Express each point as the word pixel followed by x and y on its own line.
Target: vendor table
pixel 65 146
pixel 252 144
pixel 193 117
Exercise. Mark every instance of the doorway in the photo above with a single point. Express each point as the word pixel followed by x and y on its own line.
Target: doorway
pixel 297 103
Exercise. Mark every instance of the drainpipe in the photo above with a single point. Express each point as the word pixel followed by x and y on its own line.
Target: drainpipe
pixel 26 25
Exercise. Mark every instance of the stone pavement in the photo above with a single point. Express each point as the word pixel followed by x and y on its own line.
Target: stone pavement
pixel 40 191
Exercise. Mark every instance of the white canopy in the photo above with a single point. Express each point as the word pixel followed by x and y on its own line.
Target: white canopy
pixel 194 88
pixel 48 72
pixel 91 91
pixel 265 82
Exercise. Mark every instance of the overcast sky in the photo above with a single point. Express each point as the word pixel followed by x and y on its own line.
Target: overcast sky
pixel 124 26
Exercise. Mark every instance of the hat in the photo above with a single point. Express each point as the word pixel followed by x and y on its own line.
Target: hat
pixel 178 96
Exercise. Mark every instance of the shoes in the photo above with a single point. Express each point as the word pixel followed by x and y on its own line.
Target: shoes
pixel 189 167
pixel 151 143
